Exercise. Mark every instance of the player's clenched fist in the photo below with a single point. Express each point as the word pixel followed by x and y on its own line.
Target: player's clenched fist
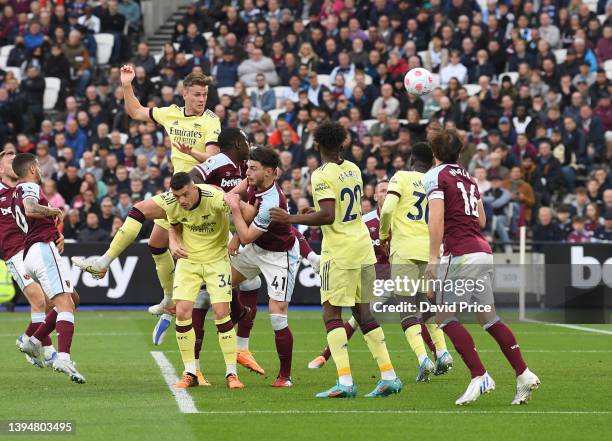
pixel 127 74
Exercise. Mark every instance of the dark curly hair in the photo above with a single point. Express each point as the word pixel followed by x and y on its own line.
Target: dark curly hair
pixel 445 144
pixel 330 136
pixel 421 153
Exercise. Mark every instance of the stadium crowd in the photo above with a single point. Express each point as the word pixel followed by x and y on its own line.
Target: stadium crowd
pixel 525 83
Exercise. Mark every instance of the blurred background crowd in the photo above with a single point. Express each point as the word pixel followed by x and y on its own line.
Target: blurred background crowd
pixel 527 84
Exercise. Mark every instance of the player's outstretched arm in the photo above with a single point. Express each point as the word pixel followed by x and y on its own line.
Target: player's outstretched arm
pixel 34 209
pixel 246 233
pixel 132 105
pixel 325 216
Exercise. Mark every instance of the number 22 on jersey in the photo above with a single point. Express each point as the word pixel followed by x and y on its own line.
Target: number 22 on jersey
pixel 352 197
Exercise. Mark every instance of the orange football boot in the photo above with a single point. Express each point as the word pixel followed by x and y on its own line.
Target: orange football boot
pixel 188 380
pixel 246 359
pixel 233 382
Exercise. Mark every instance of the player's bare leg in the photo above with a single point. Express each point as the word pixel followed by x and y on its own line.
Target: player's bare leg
pixel 319 361
pixel 374 336
pixel 526 381
pixel 200 308
pixel 227 342
pixel 284 341
pixel 38 303
pixel 244 357
pixel 481 382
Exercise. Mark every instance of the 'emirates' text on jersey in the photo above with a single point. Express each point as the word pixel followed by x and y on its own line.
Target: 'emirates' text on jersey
pixel 196 131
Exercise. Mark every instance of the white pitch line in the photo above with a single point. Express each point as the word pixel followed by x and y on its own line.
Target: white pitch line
pixel 484 351
pixel 568 326
pixel 183 399
pixel 415 411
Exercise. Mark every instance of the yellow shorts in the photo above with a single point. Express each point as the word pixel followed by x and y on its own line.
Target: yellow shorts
pixel 346 287
pixel 162 223
pixel 411 269
pixel 189 276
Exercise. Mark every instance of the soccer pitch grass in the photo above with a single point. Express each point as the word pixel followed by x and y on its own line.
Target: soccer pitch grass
pixel 127 398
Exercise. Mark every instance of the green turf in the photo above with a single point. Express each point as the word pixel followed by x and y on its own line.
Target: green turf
pixel 126 397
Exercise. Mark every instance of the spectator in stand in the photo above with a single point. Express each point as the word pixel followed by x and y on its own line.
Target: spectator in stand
pixel 78 57
pixel 72 225
pixel 546 229
pixel 92 231
pixel 454 70
pixel 113 22
pixel 145 59
pixel 604 232
pixel 497 201
pixel 523 197
pixel 579 234
pixel 257 63
pixel 48 164
pixel 592 219
pixel 131 11
pixel 386 102
pixel 263 97
pixel 564 219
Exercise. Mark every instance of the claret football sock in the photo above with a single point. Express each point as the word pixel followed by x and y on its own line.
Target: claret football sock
pixel 247 298
pixel 197 318
pixel 507 342
pixel 464 344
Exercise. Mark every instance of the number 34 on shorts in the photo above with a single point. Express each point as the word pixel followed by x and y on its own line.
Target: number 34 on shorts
pixel 189 276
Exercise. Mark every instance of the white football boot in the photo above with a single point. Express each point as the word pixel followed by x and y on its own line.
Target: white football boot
pixel 526 383
pixel 477 387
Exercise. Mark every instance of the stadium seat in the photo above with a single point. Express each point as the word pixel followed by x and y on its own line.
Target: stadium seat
pixel 105 47
pixel 560 55
pixel 403 122
pixel 16 71
pixel 325 80
pixel 177 46
pixel 4 54
pixel 279 92
pixel 472 89
pixel 592 4
pixel 156 79
pixel 608 65
pixel 602 18
pixel 274 114
pixel 513 76
pixel 52 88
pixel 250 90
pixel 225 91
pixel 369 123
pixel 422 54
pixel 207 35
pixel 157 57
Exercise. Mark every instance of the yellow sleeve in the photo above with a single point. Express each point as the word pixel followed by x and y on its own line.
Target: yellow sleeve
pixel 159 115
pixel 321 187
pixel 386 215
pixel 217 202
pixel 212 130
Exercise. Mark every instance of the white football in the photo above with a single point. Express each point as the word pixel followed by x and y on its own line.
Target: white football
pixel 418 81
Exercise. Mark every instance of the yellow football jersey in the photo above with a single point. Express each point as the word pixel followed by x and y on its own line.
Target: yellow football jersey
pixel 195 131
pixel 409 232
pixel 347 240
pixel 205 227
